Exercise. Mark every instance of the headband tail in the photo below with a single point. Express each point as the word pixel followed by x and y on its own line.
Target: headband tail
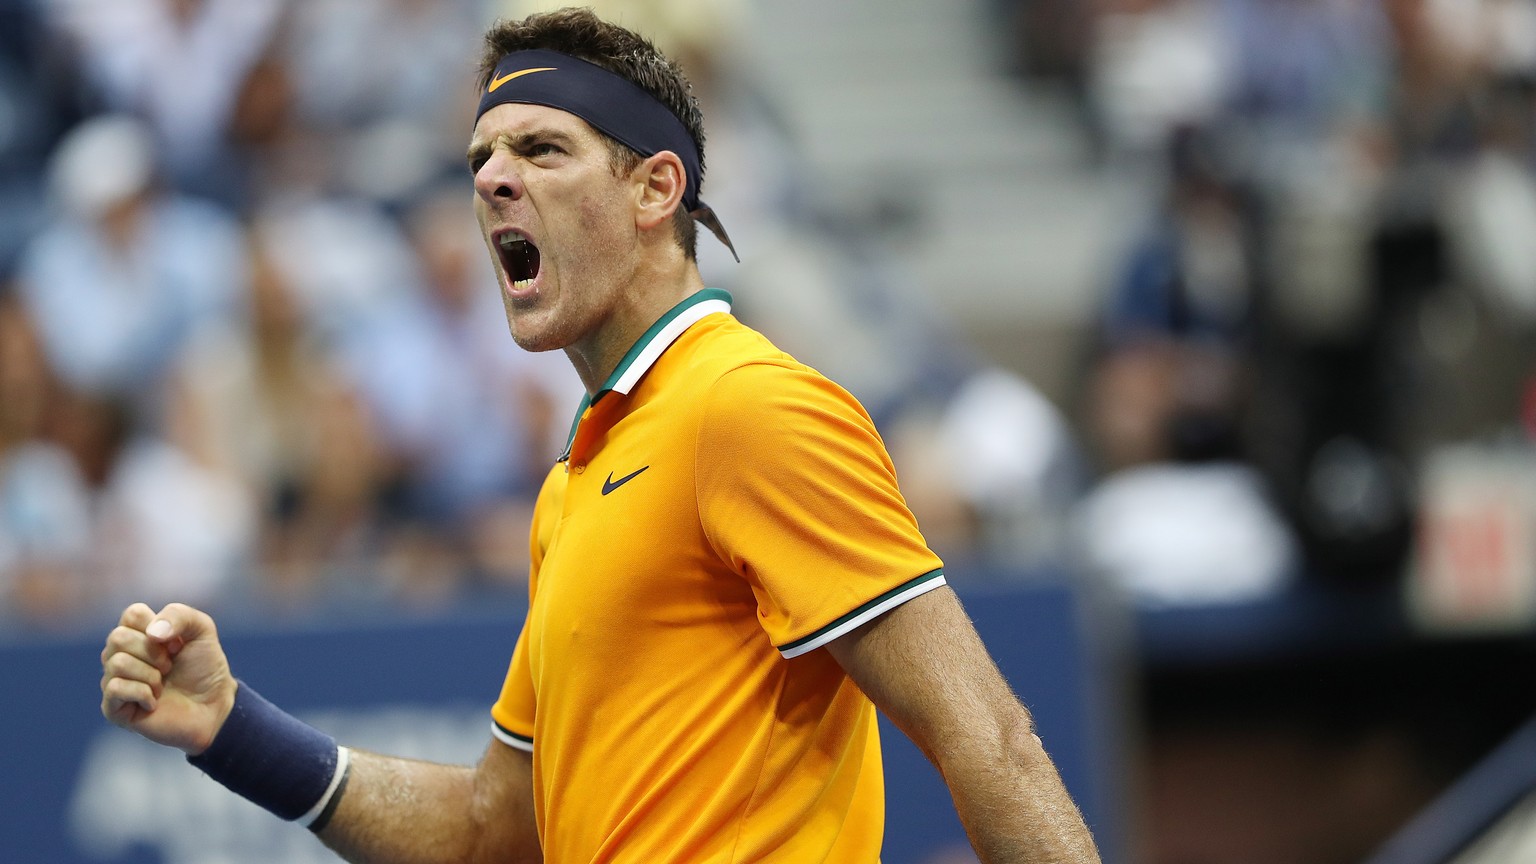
pixel 705 215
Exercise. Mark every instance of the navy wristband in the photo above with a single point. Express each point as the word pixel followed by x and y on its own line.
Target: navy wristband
pixel 271 759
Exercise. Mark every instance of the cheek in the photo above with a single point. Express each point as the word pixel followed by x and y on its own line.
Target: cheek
pixel 605 204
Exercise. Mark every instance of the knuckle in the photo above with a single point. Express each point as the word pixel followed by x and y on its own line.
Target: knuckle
pixel 122 640
pixel 126 691
pixel 123 666
pixel 121 636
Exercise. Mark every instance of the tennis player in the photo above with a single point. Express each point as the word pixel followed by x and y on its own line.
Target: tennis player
pixel 725 581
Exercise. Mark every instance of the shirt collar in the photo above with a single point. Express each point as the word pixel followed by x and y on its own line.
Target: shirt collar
pixel 649 348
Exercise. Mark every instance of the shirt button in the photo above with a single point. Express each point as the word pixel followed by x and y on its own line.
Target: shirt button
pixel 579 467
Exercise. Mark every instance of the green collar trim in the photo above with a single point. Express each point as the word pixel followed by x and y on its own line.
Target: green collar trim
pixel 649 347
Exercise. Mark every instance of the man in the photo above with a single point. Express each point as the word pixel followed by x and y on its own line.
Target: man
pixel 724 576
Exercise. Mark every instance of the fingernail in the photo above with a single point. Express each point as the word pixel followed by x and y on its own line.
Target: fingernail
pixel 160 629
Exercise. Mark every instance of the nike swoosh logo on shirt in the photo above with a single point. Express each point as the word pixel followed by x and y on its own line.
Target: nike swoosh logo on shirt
pixel 611 484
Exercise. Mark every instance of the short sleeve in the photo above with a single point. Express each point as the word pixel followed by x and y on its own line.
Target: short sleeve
pixel 798 494
pixel 512 717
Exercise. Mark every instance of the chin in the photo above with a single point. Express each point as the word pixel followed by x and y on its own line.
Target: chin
pixel 529 336
pixel 536 346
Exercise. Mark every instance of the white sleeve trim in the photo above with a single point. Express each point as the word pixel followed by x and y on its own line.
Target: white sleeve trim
pixel 343 759
pixel 864 617
pixel 511 740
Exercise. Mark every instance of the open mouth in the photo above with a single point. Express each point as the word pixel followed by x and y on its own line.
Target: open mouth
pixel 519 258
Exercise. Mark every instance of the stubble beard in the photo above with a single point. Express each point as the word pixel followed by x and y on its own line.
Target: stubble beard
pixel 537 324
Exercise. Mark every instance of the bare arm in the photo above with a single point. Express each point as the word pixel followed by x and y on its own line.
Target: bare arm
pixel 172 684
pixel 398 811
pixel 923 665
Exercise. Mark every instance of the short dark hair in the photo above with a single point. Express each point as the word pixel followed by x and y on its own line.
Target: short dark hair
pixel 581 34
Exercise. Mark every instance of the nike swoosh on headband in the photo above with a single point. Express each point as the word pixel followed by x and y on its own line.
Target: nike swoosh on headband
pixel 518 74
pixel 613 105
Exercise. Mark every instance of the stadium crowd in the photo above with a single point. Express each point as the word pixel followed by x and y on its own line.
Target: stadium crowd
pixel 250 358
pixel 1318 353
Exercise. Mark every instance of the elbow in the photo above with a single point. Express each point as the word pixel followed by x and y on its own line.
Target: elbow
pixel 1005 735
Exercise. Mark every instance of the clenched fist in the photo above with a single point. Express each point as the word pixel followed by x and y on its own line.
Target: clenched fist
pixel 165 676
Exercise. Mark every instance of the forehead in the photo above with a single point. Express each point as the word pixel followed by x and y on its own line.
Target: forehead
pixel 518 118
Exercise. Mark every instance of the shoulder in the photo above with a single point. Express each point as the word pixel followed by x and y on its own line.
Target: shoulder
pixel 748 399
pixel 771 418
pixel 741 371
pixel 769 394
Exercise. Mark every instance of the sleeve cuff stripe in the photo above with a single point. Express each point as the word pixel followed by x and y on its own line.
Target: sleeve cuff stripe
pixel 510 738
pixel 864 614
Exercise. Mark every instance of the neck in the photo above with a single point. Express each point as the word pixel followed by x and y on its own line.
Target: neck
pixel 643 301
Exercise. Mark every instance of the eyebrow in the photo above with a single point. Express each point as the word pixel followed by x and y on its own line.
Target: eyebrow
pixel 517 141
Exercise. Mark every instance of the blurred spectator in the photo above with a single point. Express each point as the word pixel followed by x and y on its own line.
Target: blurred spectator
pixel 476 421
pixel 40 98
pixel 1301 67
pixel 1190 275
pixel 25 381
pixel 991 471
pixel 1178 517
pixel 383 83
pixel 44 546
pixel 274 404
pixel 126 273
pixel 1372 163
pixel 1158 65
pixel 97 513
pixel 185 67
pixel 98 506
pixel 1491 212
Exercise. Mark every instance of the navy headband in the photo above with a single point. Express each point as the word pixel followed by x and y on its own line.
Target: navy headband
pixel 608 102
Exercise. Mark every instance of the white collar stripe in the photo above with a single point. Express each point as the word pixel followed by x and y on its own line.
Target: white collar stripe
pixel 663 340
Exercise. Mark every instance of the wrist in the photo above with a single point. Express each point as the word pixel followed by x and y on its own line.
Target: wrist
pixel 222 704
pixel 274 760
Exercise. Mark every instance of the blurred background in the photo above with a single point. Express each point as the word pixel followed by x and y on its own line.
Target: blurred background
pixel 1213 319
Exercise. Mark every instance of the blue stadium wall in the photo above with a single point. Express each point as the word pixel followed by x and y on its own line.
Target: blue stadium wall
pixel 75 790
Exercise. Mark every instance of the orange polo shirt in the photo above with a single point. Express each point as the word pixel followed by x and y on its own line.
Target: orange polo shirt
pixel 722 511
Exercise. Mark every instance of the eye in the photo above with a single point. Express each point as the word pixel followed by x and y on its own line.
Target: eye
pixel 543 148
pixel 476 164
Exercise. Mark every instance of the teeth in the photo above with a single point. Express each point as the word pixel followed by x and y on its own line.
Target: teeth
pixel 510 240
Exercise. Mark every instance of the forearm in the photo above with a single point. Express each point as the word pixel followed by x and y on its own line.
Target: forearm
pixel 165 676
pixel 925 667
pixel 1011 799
pixel 371 808
pixel 400 811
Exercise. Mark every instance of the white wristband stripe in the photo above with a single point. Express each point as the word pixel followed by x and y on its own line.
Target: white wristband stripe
pixel 343 758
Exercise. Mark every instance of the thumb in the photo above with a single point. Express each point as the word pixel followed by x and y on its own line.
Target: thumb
pixel 179 622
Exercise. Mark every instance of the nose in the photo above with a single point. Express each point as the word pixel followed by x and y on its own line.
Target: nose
pixel 498 178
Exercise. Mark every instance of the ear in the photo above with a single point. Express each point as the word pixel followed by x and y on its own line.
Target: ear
pixel 662 182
